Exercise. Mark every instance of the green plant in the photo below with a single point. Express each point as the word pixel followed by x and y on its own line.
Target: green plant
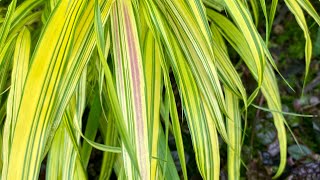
pixel 114 57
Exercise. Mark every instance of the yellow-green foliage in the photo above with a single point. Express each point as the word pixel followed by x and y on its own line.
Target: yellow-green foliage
pixel 58 57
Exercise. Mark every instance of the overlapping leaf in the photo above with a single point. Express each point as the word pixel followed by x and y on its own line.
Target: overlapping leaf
pixel 234 132
pixel 188 22
pixel 294 7
pixel 269 86
pixel 64 160
pixel 130 84
pixel 20 69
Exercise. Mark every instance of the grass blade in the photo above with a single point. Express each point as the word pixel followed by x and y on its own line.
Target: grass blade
pixel 269 86
pixel 243 20
pixel 205 144
pixel 33 124
pixel 234 133
pixel 131 85
pixel 19 70
pixel 307 6
pixel 294 7
pixel 153 79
